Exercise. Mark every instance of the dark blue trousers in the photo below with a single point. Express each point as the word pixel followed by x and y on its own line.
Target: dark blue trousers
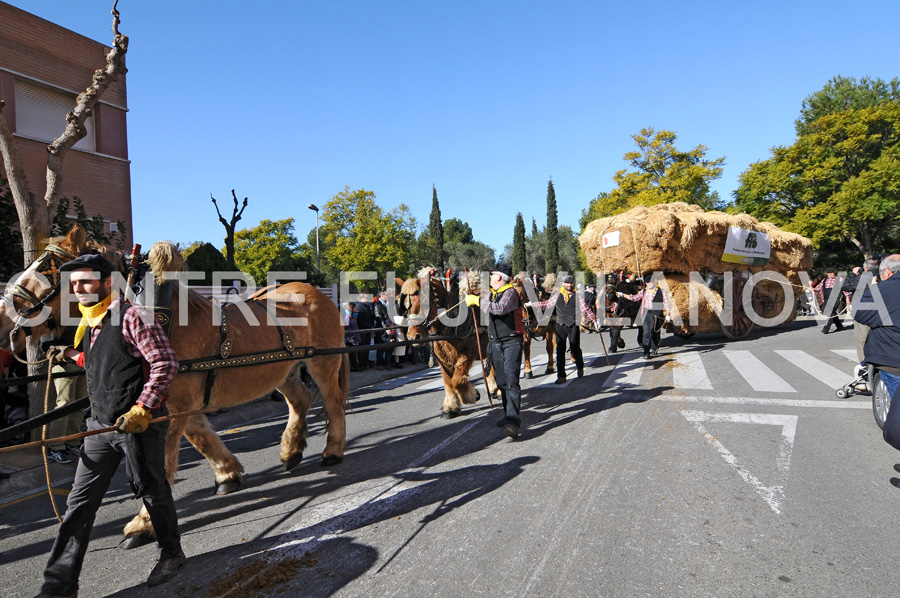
pixel 506 357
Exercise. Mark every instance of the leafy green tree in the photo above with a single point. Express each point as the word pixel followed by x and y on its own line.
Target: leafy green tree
pixel 661 174
pixel 70 212
pixel 473 255
pixel 839 180
pixel 359 236
pixel 518 248
pixel 269 247
pixel 535 245
pixel 457 231
pixel 551 255
pixel 10 240
pixel 436 232
pixel 200 256
pixel 845 93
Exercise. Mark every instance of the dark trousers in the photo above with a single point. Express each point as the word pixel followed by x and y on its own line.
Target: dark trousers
pixel 100 457
pixel 651 326
pixel 572 335
pixel 833 318
pixel 506 357
pixel 365 340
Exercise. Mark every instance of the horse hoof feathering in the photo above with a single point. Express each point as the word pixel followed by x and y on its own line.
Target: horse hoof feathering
pixel 450 414
pixel 292 462
pixel 331 460
pixel 136 541
pixel 529 375
pixel 227 487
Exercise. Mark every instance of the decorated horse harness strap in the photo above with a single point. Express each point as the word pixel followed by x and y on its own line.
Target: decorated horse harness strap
pixel 48 266
pixel 225 347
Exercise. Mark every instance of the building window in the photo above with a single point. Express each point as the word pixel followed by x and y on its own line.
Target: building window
pixel 41 114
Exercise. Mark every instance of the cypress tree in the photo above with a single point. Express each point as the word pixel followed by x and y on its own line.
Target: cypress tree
pixel 518 252
pixel 436 232
pixel 551 254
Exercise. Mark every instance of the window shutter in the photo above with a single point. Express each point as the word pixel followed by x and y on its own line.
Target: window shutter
pixel 41 114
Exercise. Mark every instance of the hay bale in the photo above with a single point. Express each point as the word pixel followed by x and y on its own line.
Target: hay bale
pixel 683 238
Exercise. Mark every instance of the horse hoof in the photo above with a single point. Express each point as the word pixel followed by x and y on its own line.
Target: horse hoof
pixel 549 371
pixel 136 541
pixel 330 460
pixel 450 414
pixel 529 375
pixel 292 462
pixel 227 487
pixel 477 395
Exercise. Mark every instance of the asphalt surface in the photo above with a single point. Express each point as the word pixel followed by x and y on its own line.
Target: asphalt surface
pixel 718 468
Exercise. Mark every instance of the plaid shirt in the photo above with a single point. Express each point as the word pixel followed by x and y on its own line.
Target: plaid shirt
pixel 646 299
pixel 147 342
pixel 551 302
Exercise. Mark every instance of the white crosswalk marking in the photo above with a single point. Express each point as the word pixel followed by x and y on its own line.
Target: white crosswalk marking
pixel 830 376
pixel 689 371
pixel 756 373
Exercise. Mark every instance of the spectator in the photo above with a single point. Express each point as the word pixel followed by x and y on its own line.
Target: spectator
pixel 856 283
pixel 882 348
pixel 829 284
pixel 366 321
pixel 383 320
pixel 66 390
pixel 351 338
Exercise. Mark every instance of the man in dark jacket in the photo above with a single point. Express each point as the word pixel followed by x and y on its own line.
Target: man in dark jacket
pixel 856 283
pixel 366 321
pixel 881 314
pixel 830 287
pixel 505 344
pixel 117 346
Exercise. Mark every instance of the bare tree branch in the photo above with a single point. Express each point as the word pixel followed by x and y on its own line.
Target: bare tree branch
pixel 75 127
pixel 230 226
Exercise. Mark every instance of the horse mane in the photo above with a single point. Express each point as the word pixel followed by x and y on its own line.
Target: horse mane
pixel 473 276
pixel 163 258
pixel 410 286
pixel 76 243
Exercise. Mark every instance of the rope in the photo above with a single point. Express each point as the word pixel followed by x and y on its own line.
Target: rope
pixel 44 438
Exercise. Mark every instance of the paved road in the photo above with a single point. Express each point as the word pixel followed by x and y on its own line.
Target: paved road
pixel 717 469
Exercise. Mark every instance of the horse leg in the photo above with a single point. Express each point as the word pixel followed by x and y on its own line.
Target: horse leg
pixel 550 344
pixel 452 406
pixel 468 394
pixel 293 440
pixel 229 471
pixel 526 352
pixel 332 376
pixel 139 530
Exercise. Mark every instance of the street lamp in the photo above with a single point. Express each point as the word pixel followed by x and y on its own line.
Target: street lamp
pixel 318 259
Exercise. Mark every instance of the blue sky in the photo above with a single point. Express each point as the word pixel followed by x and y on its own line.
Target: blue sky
pixel 288 102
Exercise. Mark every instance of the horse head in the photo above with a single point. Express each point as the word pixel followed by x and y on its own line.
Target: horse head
pixel 422 318
pixel 30 310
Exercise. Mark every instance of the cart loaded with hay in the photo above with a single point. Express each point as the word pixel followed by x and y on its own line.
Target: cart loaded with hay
pixel 723 272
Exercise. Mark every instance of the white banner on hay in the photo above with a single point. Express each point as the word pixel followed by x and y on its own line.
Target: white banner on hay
pixel 611 239
pixel 748 247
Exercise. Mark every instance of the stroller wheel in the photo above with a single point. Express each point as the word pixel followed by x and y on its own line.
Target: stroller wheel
pixel 841 393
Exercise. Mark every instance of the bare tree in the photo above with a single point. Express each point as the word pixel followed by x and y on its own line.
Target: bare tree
pixel 36 216
pixel 229 226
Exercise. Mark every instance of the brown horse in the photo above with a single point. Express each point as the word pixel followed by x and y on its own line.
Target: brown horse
pixel 197 335
pixel 455 356
pixel 535 331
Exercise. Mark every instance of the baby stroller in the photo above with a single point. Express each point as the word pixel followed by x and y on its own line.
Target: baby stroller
pixel 859 385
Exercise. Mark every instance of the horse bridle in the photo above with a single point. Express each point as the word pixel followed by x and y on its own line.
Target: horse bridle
pixel 48 266
pixel 406 304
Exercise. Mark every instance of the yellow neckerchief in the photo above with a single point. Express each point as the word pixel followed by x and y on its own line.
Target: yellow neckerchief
pixel 498 292
pixel 566 294
pixel 91 316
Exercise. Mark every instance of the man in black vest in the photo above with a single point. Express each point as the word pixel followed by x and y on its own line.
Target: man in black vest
pixel 567 325
pixel 505 343
pixel 118 342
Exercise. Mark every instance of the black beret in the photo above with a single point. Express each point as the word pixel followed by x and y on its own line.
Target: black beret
pixel 829 270
pixel 503 269
pixel 89 261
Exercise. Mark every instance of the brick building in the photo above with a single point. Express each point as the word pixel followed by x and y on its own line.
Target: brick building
pixel 43 67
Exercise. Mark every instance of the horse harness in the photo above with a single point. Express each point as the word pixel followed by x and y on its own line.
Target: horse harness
pixel 48 265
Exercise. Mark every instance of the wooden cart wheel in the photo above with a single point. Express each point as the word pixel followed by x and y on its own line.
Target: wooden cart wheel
pixel 741 324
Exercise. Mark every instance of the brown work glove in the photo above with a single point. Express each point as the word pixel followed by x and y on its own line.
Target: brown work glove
pixel 135 421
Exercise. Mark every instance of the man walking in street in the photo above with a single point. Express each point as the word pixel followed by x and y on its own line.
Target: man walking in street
pixel 655 306
pixel 831 285
pixel 567 325
pixel 505 344
pixel 118 346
